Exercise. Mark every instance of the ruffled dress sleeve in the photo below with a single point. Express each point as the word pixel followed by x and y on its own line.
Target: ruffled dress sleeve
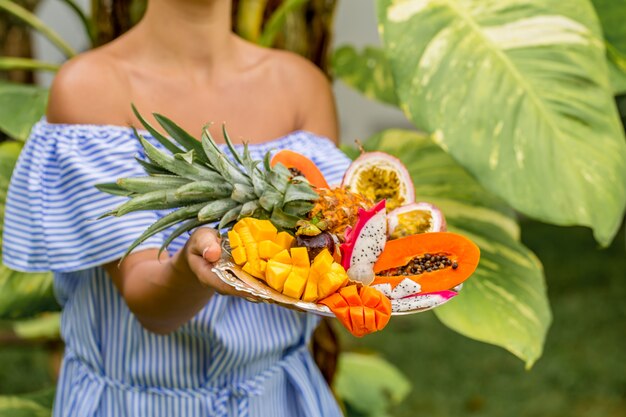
pixel 52 204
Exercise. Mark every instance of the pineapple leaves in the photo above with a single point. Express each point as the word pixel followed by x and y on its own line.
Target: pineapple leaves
pixel 282 219
pixel 205 189
pixel 231 216
pixel 230 145
pixel 178 167
pixel 114 189
pixel 154 200
pixel 181 136
pixel 167 144
pixel 216 209
pixel 153 183
pixel 299 191
pixel 163 224
pixel 152 169
pixel 184 227
pixel 206 183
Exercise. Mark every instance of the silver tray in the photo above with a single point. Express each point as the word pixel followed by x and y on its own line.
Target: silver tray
pixel 233 275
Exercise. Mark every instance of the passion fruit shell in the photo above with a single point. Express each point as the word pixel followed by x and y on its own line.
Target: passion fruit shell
pixel 380 176
pixel 415 218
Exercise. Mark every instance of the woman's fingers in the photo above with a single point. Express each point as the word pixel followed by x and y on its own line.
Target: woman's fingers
pixel 205 242
pixel 204 250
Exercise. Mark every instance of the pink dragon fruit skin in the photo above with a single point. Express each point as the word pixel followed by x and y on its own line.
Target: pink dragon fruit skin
pixel 424 301
pixel 364 243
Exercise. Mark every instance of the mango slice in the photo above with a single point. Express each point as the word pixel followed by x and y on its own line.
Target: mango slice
pixel 276 274
pixel 361 311
pixel 285 240
pixel 268 249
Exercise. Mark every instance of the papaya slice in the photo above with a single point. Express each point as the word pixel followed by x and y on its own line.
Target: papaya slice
pixel 303 165
pixel 361 311
pixel 436 261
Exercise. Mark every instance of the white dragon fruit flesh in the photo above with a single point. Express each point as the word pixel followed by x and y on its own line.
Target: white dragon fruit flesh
pixel 364 243
pixel 422 301
pixel 406 288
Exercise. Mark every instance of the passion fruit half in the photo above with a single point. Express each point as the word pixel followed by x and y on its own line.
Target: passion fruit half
pixel 415 218
pixel 379 176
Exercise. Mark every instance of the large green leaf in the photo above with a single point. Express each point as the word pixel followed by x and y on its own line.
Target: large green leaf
pixel 505 301
pixel 612 16
pixel 43 326
pixel 25 294
pixel 518 92
pixel 21 294
pixel 368 72
pixel 277 20
pixel 21 106
pixel 368 384
pixel 38 404
pixel 618 76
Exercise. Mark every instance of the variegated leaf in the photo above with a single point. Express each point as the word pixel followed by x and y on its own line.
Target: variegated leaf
pixel 518 92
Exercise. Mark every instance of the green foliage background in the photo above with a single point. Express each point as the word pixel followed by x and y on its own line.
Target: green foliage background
pixel 515 111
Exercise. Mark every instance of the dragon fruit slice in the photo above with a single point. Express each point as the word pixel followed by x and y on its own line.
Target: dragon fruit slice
pixel 364 243
pixel 406 288
pixel 422 301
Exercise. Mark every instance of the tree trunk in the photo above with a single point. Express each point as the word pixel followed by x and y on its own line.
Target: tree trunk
pixel 15 41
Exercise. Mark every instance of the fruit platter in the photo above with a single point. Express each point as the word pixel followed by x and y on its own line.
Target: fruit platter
pixel 360 251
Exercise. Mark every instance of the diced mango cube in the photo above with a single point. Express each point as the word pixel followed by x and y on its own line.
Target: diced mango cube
pixel 262 229
pixel 310 291
pixel 284 239
pixel 253 270
pixel 276 273
pixel 283 257
pixel 300 257
pixel 239 255
pixel 234 239
pixel 262 266
pixel 240 225
pixel 267 249
pixel 323 261
pixel 330 283
pixel 295 283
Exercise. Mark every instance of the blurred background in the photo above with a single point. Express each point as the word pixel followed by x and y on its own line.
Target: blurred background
pixel 417 366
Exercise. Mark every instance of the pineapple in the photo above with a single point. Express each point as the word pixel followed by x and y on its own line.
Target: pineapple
pixel 205 186
pixel 337 208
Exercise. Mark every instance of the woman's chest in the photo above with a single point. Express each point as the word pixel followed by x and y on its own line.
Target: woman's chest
pixel 252 111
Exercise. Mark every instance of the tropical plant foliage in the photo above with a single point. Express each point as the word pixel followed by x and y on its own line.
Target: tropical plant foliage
pixel 516 100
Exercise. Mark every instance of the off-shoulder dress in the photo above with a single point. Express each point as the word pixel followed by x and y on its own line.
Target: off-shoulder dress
pixel 234 358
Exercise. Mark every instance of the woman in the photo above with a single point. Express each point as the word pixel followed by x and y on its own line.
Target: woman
pixel 165 337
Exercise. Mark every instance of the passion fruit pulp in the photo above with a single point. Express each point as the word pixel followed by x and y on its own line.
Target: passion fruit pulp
pixel 379 176
pixel 415 218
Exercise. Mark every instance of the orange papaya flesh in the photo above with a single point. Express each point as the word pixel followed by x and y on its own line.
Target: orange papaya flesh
pixel 459 258
pixel 361 311
pixel 301 163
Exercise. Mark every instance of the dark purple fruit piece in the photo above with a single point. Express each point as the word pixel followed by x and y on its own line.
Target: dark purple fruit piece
pixel 315 244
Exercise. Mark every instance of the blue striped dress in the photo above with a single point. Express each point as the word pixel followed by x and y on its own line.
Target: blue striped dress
pixel 234 358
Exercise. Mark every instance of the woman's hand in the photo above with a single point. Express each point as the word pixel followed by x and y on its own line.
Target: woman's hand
pixel 202 250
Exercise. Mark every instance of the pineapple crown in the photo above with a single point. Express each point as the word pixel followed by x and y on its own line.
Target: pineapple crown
pixel 204 185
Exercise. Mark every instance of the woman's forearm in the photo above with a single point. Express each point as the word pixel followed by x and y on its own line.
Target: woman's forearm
pixel 162 294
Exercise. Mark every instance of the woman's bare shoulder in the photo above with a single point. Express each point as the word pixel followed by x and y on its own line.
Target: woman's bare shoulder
pixel 311 93
pixel 89 88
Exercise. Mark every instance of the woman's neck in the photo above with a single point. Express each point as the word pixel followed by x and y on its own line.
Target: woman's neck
pixel 190 33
